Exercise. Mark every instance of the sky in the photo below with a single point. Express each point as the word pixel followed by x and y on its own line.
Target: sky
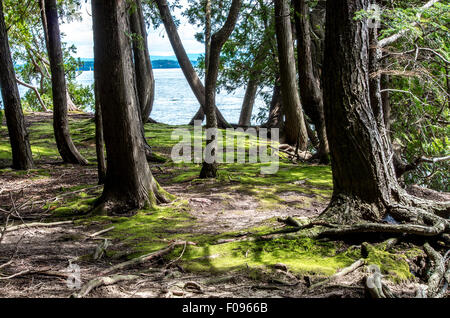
pixel 80 35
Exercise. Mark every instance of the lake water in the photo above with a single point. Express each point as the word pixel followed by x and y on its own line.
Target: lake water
pixel 175 103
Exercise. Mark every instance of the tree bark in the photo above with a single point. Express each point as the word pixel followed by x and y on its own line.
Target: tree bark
pixel 252 86
pixel 99 141
pixel 218 39
pixel 365 183
pixel 22 158
pixel 66 147
pixel 191 75
pixel 276 109
pixel 70 104
pixel 294 128
pixel 310 90
pixel 248 103
pixel 145 81
pixel 129 183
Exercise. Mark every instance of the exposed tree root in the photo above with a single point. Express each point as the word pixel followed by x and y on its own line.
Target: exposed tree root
pixel 146 257
pixel 342 273
pixel 438 271
pixel 364 228
pixel 102 281
pixel 114 204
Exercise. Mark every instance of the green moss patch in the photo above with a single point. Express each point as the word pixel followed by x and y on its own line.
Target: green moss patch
pixel 393 265
pixel 301 255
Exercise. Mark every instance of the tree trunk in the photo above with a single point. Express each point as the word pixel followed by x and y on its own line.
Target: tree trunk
pixel 145 81
pixel 99 141
pixel 249 102
pixel 209 170
pixel 310 91
pixel 66 148
pixel 294 129
pixel 70 104
pixel 365 183
pixel 252 86
pixel 129 183
pixel 191 75
pixel 207 32
pixel 276 109
pixel 18 135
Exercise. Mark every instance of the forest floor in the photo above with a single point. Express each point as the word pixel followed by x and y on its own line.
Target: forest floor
pixel 227 222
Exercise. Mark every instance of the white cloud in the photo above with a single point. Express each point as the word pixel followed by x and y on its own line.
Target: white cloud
pixel 80 35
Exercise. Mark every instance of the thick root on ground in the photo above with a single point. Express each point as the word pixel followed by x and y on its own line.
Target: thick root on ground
pixel 108 204
pixel 437 271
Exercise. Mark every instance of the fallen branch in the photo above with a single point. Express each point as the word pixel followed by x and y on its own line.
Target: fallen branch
pixel 102 281
pixel 44 271
pixel 342 273
pixel 146 257
pixel 101 232
pixel 30 225
pixel 61 196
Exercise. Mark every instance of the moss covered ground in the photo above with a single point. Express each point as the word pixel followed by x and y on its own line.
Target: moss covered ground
pixel 300 190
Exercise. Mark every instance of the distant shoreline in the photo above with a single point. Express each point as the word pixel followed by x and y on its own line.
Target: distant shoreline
pixel 158 62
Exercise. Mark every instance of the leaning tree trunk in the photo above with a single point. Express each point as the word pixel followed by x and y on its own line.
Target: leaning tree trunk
pixel 253 83
pixel 295 129
pixel 18 135
pixel 191 75
pixel 66 147
pixel 365 184
pixel 248 103
pixel 129 183
pixel 70 104
pixel 145 81
pixel 275 119
pixel 209 170
pixel 310 91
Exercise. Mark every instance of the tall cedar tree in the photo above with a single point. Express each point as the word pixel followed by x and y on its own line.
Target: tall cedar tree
pixel 66 147
pixel 365 184
pixel 186 66
pixel 145 81
pixel 218 39
pixel 18 136
pixel 294 128
pixel 129 183
pixel 310 90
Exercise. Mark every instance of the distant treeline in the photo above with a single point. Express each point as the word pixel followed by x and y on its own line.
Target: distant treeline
pixel 158 64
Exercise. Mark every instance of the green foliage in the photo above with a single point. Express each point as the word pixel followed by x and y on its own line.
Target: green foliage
pixel 416 76
pixel 29 52
pixel 420 103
